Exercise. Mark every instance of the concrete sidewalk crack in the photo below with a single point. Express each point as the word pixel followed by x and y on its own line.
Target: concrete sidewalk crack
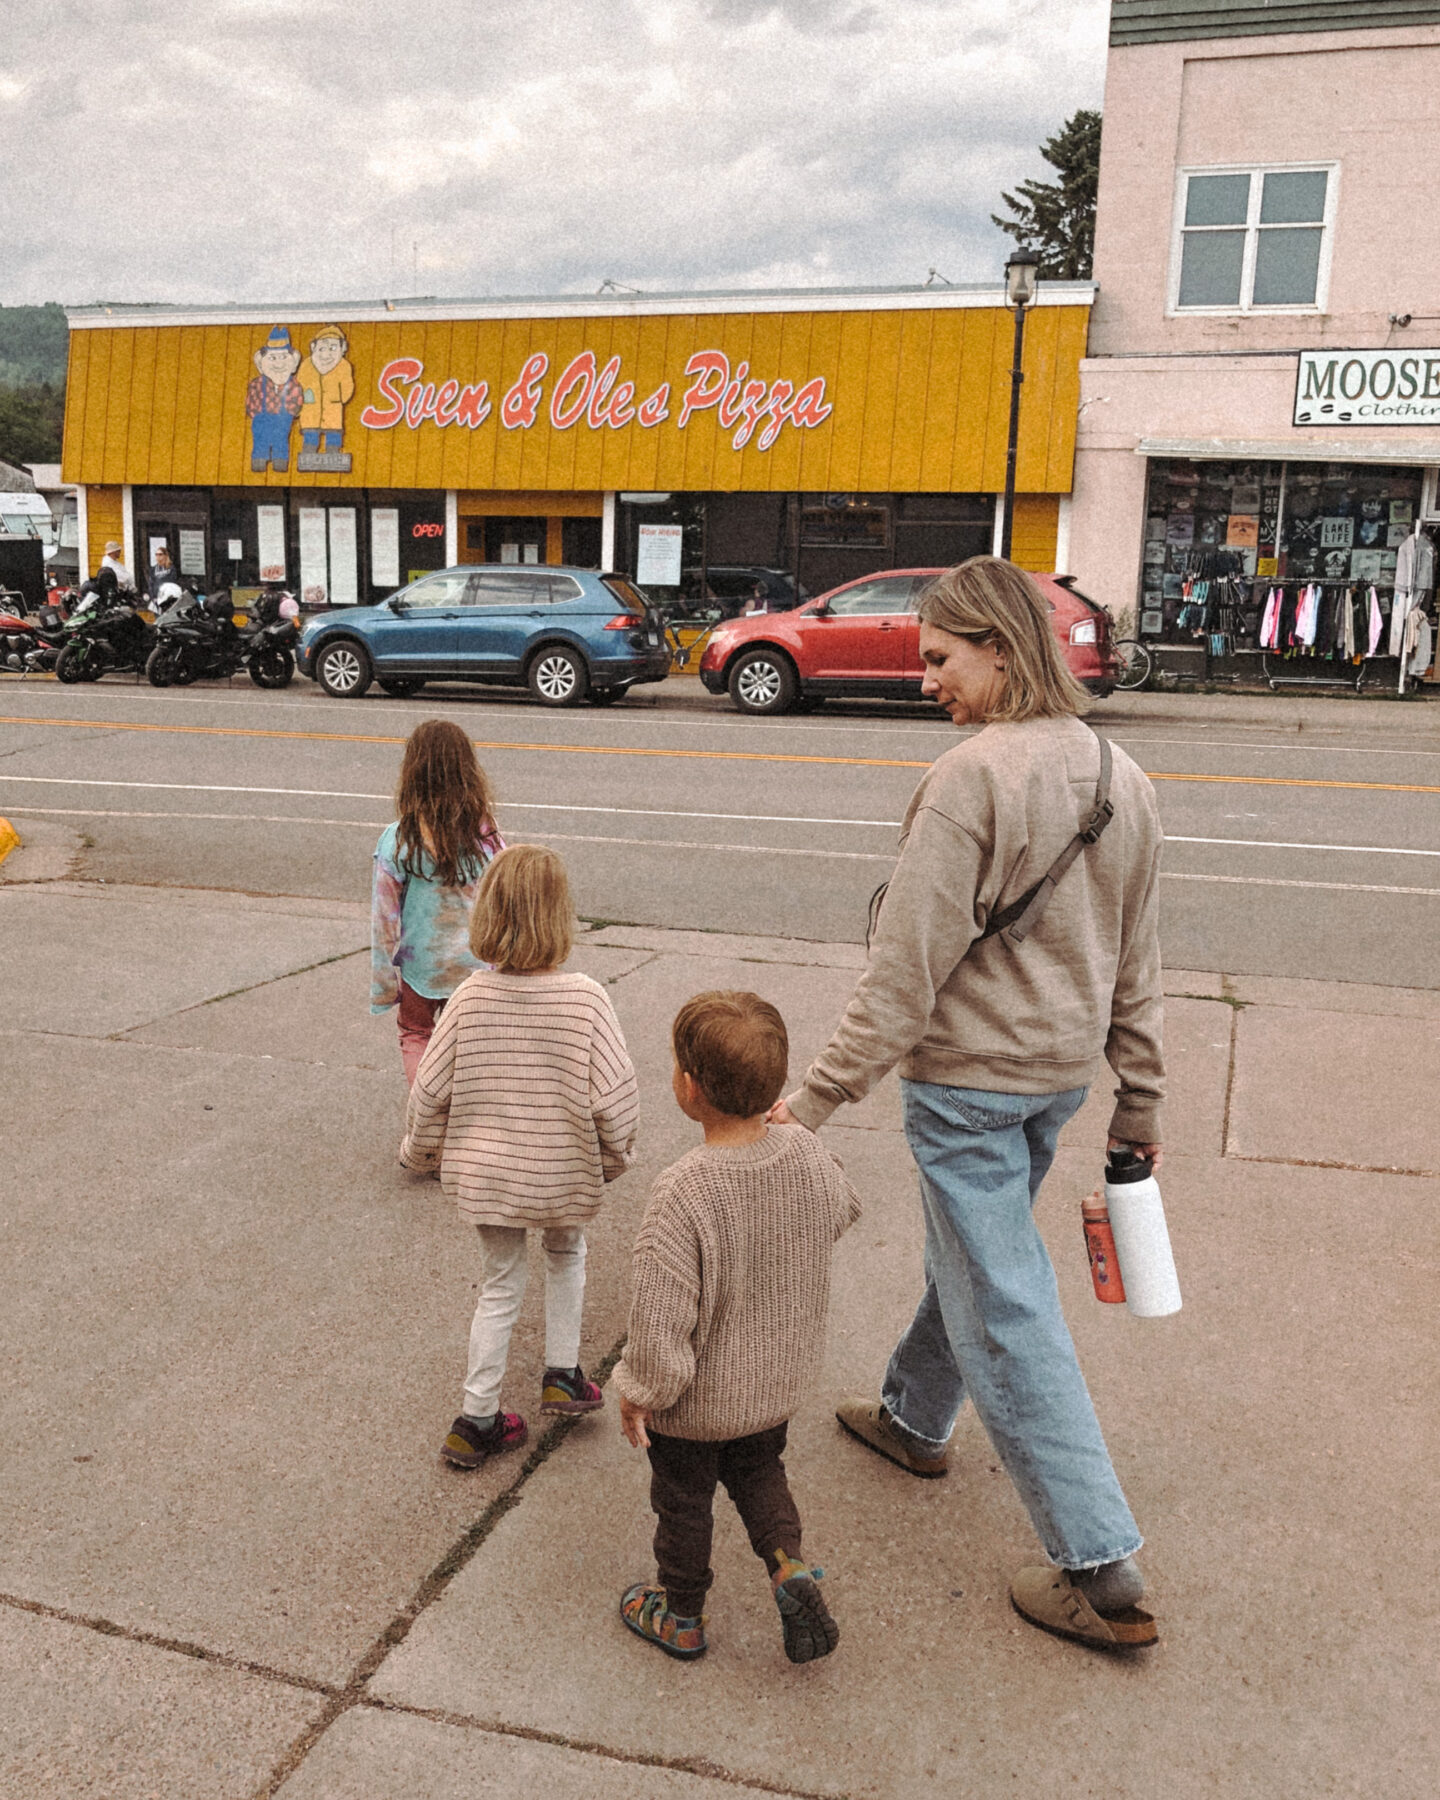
pixel 115 1037
pixel 156 1641
pixel 682 1765
pixel 429 1590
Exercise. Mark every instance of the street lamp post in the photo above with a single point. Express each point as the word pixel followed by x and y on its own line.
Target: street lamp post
pixel 1020 284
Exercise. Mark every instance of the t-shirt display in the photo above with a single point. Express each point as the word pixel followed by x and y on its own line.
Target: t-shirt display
pixel 1229 546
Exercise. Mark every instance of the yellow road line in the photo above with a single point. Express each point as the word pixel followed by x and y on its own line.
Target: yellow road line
pixel 763 756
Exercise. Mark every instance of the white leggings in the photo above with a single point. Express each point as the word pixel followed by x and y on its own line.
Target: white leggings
pixel 501 1292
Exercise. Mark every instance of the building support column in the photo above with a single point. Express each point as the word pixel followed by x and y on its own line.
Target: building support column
pixel 127 533
pixel 607 535
pixel 82 526
pixel 998 536
pixel 1062 537
pixel 452 528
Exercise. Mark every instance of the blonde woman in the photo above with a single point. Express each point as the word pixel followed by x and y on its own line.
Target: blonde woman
pixel 526 1102
pixel 997 1027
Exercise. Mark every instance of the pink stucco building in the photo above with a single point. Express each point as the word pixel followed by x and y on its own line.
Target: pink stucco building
pixel 1260 402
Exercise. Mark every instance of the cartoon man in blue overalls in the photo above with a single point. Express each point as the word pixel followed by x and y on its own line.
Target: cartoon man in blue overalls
pixel 272 400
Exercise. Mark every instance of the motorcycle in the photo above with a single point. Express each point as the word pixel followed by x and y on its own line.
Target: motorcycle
pixel 29 645
pixel 105 634
pixel 197 639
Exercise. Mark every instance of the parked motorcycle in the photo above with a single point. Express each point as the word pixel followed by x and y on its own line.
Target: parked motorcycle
pixel 197 639
pixel 31 642
pixel 105 634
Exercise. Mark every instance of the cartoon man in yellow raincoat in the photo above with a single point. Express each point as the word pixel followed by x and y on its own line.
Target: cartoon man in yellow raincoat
pixel 327 383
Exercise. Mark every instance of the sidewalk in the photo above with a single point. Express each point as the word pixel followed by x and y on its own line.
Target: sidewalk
pixel 233 1334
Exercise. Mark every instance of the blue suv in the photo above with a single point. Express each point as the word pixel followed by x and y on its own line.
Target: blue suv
pixel 564 633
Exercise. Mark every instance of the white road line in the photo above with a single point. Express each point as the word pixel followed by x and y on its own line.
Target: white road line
pixel 643 812
pixel 1263 844
pixel 561 837
pixel 1336 887
pixel 637 812
pixel 549 837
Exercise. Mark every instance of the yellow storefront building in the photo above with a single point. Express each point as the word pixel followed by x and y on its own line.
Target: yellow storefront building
pixel 804 438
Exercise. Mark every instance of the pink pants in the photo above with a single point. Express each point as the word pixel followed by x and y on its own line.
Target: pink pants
pixel 417 1023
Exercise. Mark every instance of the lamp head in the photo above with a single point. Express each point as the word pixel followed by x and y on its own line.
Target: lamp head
pixel 1021 278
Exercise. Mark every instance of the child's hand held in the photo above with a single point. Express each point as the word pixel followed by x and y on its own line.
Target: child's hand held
pixel 633 1420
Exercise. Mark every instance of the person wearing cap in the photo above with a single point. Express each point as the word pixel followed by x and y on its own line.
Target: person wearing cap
pixel 272 400
pixel 111 560
pixel 327 382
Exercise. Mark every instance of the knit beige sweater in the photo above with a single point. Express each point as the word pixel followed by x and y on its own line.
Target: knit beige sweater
pixel 525 1098
pixel 732 1283
pixel 986 822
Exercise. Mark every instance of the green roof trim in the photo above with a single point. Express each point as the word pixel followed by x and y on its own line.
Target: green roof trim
pixel 1166 21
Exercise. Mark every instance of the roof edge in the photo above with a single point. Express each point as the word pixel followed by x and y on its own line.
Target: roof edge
pixel 581 306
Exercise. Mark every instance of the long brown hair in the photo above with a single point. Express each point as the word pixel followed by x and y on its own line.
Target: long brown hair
pixel 443 804
pixel 991 600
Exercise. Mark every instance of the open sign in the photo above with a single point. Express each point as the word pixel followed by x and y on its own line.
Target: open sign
pixel 427 528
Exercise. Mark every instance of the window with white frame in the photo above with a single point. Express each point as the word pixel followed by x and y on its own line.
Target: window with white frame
pixel 1252 239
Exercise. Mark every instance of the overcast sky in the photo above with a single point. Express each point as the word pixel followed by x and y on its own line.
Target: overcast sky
pixel 312 149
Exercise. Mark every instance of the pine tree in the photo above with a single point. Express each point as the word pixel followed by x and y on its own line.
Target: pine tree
pixel 1056 219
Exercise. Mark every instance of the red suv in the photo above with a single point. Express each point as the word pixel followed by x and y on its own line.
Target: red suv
pixel 862 640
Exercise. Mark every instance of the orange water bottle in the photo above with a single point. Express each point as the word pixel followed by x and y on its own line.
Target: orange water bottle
pixel 1100 1247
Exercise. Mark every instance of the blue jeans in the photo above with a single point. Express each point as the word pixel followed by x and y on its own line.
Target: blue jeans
pixel 989 1324
pixel 270 440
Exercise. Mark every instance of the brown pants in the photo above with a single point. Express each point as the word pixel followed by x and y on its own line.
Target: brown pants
pixel 683 1476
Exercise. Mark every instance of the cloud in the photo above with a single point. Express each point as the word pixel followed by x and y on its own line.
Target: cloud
pixel 259 150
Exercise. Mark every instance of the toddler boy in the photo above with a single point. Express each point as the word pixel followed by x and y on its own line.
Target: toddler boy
pixel 727 1324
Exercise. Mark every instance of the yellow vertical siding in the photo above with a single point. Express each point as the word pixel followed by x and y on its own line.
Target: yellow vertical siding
pixel 919 401
pixel 1034 532
pixel 105 518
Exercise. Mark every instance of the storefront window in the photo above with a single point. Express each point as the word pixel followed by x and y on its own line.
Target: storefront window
pixel 1220 537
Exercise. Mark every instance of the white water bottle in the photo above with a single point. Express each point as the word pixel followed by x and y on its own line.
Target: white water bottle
pixel 1142 1242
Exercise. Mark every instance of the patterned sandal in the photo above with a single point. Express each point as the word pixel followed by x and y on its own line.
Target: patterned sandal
pixel 645 1611
pixel 804 1617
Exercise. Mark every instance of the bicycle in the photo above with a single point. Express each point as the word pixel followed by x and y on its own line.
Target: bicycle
pixel 682 654
pixel 1135 663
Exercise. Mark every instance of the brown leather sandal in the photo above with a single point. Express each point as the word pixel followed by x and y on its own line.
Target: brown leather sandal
pixel 1048 1598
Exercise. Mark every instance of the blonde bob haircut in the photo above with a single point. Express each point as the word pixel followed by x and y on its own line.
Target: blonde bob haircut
pixel 990 601
pixel 524 918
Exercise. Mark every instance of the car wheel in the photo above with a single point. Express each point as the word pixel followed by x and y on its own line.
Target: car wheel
pixel 343 670
pixel 558 677
pixel 401 687
pixel 764 681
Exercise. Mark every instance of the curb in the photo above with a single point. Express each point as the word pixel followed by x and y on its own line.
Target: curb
pixel 9 839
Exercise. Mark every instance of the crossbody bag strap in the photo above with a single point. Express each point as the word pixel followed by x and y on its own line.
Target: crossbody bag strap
pixel 1021 917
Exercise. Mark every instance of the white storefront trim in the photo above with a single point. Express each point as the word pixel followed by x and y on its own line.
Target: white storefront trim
pixel 1305 449
pixel 452 528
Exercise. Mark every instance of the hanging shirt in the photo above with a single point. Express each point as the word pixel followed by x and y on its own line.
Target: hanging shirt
pixel 1373 640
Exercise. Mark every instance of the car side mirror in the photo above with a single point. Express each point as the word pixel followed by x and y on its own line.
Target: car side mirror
pixel 397 603
pixel 820 611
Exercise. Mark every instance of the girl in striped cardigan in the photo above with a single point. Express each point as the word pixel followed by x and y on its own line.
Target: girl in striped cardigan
pixel 526 1102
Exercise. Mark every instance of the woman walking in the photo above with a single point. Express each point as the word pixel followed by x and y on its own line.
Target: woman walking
pixel 997 1023
pixel 428 866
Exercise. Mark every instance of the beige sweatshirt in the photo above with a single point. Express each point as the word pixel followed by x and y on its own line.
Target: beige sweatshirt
pixel 525 1098
pixel 732 1283
pixel 986 822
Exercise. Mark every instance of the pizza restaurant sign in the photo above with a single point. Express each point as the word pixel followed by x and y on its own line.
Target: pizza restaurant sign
pixel 587 395
pixel 1367 387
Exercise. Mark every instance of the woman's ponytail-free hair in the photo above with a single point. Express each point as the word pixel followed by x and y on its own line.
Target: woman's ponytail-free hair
pixel 443 804
pixel 990 600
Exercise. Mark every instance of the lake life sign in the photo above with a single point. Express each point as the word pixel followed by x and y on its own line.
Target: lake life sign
pixel 1367 387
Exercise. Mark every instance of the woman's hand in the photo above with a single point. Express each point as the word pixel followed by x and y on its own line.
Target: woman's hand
pixel 780 1113
pixel 1153 1153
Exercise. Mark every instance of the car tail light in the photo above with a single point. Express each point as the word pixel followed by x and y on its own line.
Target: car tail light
pixel 626 622
pixel 1086 632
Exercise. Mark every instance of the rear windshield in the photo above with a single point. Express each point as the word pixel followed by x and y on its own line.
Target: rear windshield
pixel 626 591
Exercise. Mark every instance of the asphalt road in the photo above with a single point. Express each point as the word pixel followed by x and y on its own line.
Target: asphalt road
pixel 1315 858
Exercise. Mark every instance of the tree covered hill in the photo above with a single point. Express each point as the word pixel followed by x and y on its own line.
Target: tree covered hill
pixel 33 345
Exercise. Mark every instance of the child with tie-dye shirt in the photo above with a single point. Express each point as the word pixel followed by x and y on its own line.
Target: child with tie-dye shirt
pixel 428 865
